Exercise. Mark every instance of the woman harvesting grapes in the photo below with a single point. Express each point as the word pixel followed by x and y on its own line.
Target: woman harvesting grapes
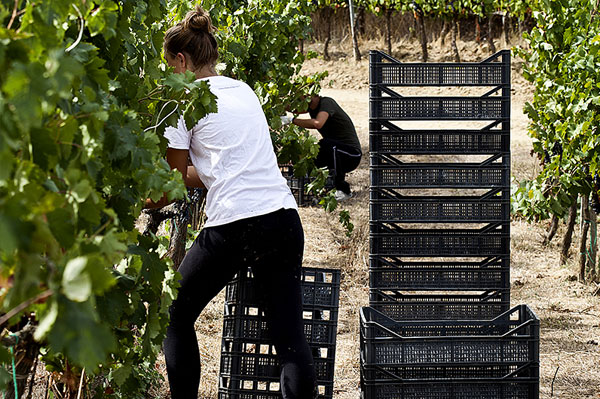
pixel 252 218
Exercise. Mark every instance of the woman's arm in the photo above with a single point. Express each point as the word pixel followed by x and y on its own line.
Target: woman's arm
pixel 313 123
pixel 192 179
pixel 177 159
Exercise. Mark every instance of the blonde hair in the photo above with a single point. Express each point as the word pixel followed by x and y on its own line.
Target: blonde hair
pixel 193 37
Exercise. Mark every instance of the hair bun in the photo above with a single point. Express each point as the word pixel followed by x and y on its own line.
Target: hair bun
pixel 198 20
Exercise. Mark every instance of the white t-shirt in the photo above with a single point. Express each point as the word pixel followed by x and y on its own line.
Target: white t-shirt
pixel 233 155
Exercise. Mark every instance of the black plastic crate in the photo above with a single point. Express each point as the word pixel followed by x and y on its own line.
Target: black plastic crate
pixel 251 370
pixel 249 366
pixel 392 239
pixel 386 194
pixel 434 175
pixel 497 358
pixel 388 71
pixel 248 323
pixel 320 289
pixel 394 273
pixel 398 160
pixel 481 389
pixel 298 186
pixel 257 388
pixel 402 306
pixel 387 138
pixel 489 370
pixel 510 338
pixel 440 108
pixel 443 209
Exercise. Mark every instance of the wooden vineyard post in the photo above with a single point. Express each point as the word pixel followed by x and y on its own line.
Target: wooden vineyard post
pixel 583 250
pixel 552 230
pixel 454 33
pixel 327 14
pixel 388 29
pixel 506 27
pixel 568 237
pixel 490 39
pixel 420 20
pixel 591 261
pixel 357 56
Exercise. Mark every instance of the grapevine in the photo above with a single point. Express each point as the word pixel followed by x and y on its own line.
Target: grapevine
pixel 562 64
pixel 84 99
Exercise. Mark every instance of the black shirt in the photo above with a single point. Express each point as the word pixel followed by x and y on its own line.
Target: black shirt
pixel 338 125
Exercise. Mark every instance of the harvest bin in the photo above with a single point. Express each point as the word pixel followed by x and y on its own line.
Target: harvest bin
pixel 398 273
pixel 444 305
pixel 320 289
pixel 386 70
pixel 446 209
pixel 393 239
pixel 396 107
pixel 434 175
pixel 389 138
pixel 483 359
pixel 249 367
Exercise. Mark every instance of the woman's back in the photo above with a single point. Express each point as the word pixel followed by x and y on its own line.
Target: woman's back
pixel 232 153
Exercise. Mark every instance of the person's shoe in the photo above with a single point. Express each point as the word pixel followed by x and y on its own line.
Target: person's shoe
pixel 342 196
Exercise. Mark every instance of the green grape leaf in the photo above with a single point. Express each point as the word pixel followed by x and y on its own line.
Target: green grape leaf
pixel 47 321
pixel 5 356
pixel 44 147
pixel 62 226
pixel 79 334
pixel 8 240
pixel 121 374
pixel 76 282
pixel 100 274
pixel 82 190
pixel 5 376
pixel 90 212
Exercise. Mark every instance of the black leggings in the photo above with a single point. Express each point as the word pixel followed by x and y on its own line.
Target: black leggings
pixel 340 159
pixel 272 245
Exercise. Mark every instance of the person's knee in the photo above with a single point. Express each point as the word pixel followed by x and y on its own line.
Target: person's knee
pixel 180 315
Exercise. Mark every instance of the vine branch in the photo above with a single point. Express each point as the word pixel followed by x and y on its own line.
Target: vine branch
pixel 14 14
pixel 44 295
pixel 76 42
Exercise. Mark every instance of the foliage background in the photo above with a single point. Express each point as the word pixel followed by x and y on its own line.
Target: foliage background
pixel 84 99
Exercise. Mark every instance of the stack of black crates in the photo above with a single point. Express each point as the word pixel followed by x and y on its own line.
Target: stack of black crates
pixel 249 367
pixel 439 323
